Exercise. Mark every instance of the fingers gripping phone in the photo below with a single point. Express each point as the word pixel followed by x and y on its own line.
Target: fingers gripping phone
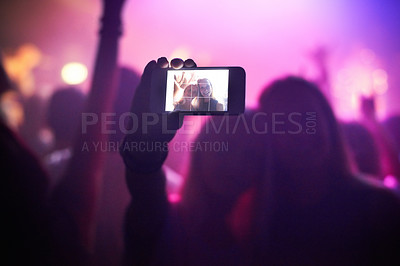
pixel 199 91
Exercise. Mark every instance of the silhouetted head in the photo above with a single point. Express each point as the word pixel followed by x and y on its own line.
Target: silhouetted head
pixel 304 133
pixel 64 113
pixel 306 158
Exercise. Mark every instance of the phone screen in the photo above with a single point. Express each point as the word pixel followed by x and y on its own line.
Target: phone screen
pixel 199 90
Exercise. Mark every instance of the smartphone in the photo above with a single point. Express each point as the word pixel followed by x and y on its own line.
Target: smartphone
pixel 199 91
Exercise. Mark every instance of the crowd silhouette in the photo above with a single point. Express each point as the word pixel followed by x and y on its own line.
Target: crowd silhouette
pixel 295 185
pixel 58 228
pixel 286 196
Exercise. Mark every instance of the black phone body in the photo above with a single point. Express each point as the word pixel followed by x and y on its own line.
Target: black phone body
pixel 199 91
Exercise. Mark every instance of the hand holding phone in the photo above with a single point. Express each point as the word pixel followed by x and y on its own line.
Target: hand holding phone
pixel 150 130
pixel 149 121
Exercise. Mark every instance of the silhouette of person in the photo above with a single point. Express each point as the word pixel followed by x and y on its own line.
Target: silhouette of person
pixel 310 209
pixel 57 231
pixel 145 179
pixel 213 191
pixel 26 228
pixel 200 229
pixel 64 112
pixel 114 194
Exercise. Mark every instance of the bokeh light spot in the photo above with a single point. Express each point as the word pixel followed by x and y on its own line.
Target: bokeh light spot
pixel 379 80
pixel 174 198
pixel 74 73
pixel 390 181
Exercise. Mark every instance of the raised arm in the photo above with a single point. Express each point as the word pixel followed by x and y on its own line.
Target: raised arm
pixel 388 155
pixel 76 197
pixel 144 152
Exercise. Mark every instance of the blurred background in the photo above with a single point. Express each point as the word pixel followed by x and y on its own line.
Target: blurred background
pixel 358 41
pixel 350 48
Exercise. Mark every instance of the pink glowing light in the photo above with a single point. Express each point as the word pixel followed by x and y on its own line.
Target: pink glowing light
pixel 267 38
pixel 390 182
pixel 380 81
pixel 174 198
